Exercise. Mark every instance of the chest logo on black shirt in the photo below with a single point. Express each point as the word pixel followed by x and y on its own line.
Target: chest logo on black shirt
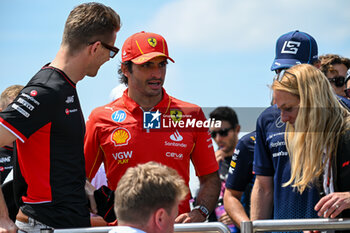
pixel 69 111
pixel 70 99
pixel 33 93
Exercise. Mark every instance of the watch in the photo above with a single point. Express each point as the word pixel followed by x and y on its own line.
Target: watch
pixel 203 210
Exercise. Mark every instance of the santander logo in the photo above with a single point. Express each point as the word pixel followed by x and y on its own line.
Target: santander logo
pixel 176 136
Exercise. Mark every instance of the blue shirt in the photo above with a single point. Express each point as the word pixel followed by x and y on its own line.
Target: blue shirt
pixel 271 159
pixel 240 174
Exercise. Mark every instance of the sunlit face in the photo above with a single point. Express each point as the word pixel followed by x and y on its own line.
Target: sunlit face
pixel 146 80
pixel 102 56
pixel 341 72
pixel 288 104
pixel 226 137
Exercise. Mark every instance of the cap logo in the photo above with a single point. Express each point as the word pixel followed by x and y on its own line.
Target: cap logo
pixel 290 47
pixel 152 42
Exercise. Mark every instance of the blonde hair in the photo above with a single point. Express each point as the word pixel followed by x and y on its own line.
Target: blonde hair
pixel 319 124
pixel 89 22
pixel 144 189
pixel 8 95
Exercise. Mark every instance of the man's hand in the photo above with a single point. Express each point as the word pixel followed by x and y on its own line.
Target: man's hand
pixel 333 204
pixel 193 216
pixel 7 226
pixel 89 190
pixel 221 155
pixel 225 219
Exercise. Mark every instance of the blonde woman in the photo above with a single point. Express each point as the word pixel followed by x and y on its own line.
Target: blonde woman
pixel 317 136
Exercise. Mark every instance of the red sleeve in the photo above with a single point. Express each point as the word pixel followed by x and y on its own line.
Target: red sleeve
pixel 203 156
pixel 92 150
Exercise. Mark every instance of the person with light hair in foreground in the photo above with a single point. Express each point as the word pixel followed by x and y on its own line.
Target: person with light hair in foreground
pixel 317 137
pixel 147 199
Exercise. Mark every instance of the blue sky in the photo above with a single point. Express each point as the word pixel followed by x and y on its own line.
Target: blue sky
pixel 223 49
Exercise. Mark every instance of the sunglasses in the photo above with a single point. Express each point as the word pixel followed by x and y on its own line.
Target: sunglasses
pixel 339 81
pixel 282 73
pixel 221 132
pixel 112 50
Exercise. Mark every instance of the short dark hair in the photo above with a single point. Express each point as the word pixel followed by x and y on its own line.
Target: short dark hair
pixel 225 114
pixel 328 60
pixel 122 78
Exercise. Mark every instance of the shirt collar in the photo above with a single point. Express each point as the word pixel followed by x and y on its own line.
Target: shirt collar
pixel 132 106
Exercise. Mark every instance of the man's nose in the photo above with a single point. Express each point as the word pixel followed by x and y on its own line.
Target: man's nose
pixel 156 72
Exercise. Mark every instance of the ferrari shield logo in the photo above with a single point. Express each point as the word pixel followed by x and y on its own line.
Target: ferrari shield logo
pixel 152 42
pixel 176 115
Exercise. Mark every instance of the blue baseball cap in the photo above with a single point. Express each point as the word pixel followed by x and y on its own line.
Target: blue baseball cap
pixel 347 76
pixel 294 48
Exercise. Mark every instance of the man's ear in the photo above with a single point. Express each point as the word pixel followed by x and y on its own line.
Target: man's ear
pixel 160 218
pixel 317 64
pixel 93 47
pixel 238 128
pixel 125 70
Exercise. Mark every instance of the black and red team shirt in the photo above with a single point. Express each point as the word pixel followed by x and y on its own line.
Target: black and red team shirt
pixel 6 162
pixel 47 120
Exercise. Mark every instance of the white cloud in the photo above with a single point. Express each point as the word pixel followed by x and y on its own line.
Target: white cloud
pixel 237 25
pixel 117 92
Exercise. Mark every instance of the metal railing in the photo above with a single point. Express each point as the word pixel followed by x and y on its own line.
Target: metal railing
pixel 295 225
pixel 186 227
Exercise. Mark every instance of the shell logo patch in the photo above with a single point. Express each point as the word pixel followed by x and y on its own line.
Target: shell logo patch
pixel 152 42
pixel 176 115
pixel 120 137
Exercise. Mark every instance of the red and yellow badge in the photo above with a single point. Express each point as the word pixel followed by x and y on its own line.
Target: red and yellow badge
pixel 152 42
pixel 176 115
pixel 120 136
pixel 233 164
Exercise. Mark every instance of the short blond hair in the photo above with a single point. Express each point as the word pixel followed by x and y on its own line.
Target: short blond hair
pixel 8 95
pixel 144 189
pixel 89 22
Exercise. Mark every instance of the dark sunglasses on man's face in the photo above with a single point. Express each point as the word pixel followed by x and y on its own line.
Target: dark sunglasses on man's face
pixel 112 50
pixel 221 132
pixel 339 81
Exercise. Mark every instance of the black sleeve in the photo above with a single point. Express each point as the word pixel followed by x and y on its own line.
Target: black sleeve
pixel 31 109
pixel 343 168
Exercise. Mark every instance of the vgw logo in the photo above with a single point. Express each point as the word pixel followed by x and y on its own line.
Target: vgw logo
pixel 151 120
pixel 122 157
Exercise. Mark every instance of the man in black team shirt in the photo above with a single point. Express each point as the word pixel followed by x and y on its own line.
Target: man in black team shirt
pixel 47 124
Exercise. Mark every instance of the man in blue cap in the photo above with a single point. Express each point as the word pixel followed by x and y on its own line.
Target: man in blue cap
pixel 295 48
pixel 271 160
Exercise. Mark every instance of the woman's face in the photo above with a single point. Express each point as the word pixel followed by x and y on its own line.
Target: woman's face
pixel 288 104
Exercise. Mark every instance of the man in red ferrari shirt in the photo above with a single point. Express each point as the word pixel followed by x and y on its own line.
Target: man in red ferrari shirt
pixel 146 124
